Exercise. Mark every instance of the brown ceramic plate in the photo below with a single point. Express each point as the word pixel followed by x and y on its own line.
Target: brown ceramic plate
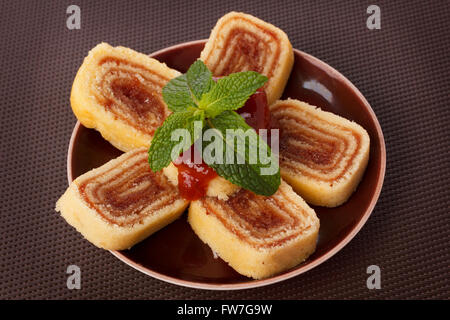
pixel 176 255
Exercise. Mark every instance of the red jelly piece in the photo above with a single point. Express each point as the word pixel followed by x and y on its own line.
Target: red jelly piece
pixel 256 111
pixel 193 179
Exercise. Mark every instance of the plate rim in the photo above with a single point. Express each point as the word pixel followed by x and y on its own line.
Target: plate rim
pixel 290 274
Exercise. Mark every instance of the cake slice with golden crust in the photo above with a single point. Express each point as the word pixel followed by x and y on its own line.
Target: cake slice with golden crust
pixel 322 155
pixel 121 203
pixel 118 92
pixel 258 236
pixel 241 42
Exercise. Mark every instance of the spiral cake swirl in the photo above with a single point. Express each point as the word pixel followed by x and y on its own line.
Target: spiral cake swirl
pixel 122 202
pixel 241 42
pixel 119 92
pixel 258 236
pixel 322 155
pixel 262 222
pixel 129 191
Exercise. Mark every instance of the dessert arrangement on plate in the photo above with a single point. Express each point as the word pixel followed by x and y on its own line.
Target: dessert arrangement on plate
pixel 260 224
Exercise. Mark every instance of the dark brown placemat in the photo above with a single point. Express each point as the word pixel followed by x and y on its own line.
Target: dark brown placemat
pixel 403 69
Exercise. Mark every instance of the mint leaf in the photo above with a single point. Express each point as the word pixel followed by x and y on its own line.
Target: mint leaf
pixel 177 95
pixel 159 154
pixel 247 174
pixel 231 92
pixel 199 79
pixel 186 90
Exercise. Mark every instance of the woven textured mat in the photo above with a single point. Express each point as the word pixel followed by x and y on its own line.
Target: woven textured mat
pixel 403 70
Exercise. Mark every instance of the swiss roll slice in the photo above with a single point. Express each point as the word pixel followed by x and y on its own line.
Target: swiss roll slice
pixel 118 92
pixel 241 42
pixel 322 155
pixel 121 203
pixel 257 236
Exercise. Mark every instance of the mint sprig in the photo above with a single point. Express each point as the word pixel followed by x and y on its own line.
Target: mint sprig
pixel 195 96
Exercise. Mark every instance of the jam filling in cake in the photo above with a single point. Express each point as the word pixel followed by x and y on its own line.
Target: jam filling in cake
pixel 310 147
pixel 245 50
pixel 262 222
pixel 128 192
pixel 241 42
pixel 132 93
